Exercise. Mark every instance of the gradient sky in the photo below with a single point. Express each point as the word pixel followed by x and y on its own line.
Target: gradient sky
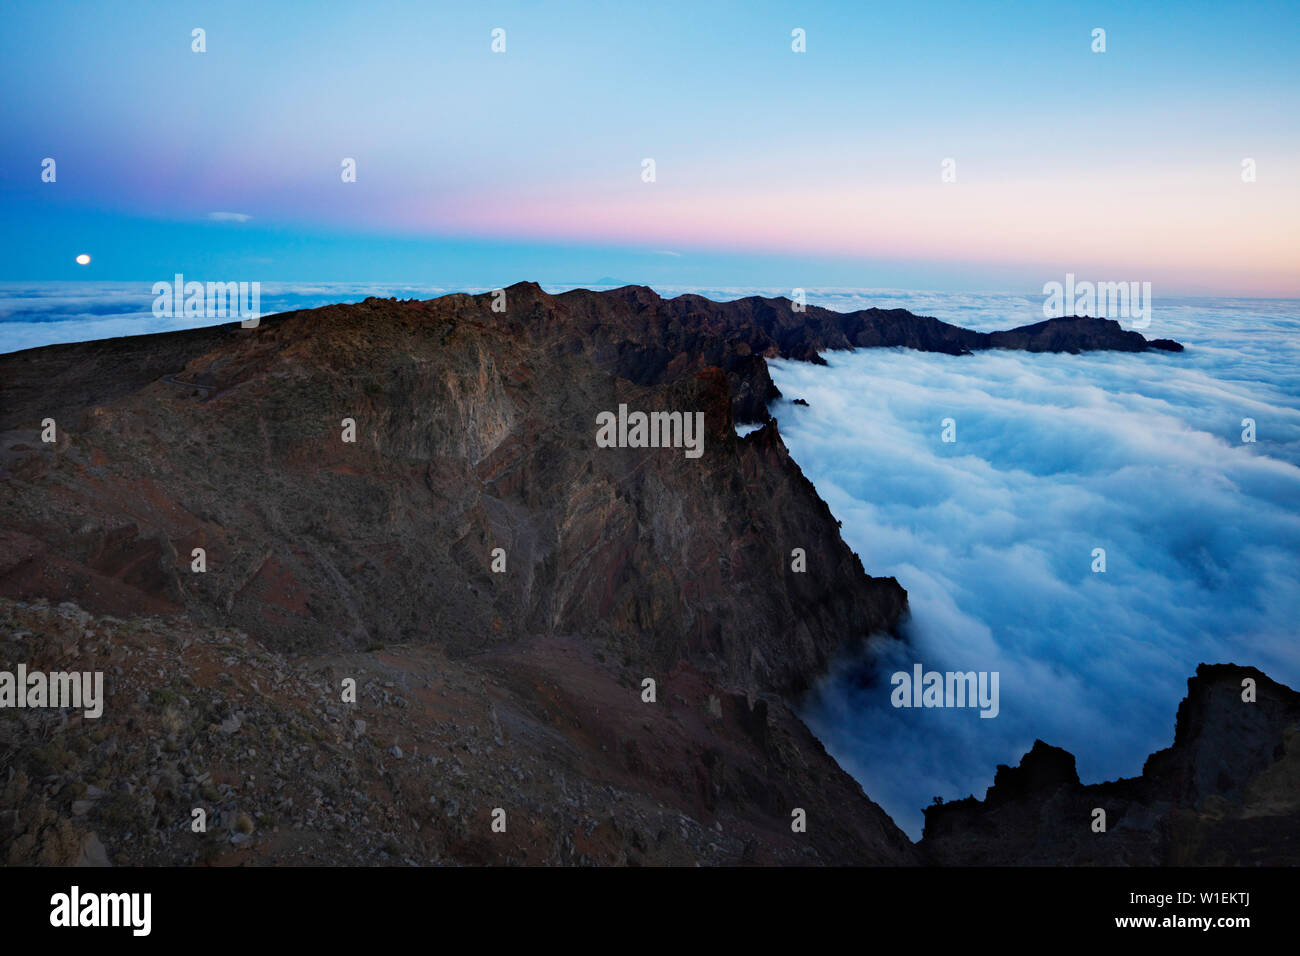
pixel 773 168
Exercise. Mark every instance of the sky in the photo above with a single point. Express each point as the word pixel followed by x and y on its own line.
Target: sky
pixel 771 167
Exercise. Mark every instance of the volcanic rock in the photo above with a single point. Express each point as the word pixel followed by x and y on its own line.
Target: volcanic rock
pixel 1227 792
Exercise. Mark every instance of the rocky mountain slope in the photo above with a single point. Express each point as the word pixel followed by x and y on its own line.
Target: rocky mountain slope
pixel 548 729
pixel 498 585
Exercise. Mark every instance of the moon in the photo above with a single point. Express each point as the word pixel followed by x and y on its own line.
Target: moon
pixel 83 260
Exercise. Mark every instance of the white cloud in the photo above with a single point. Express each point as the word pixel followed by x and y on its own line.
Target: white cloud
pixel 993 536
pixel 229 216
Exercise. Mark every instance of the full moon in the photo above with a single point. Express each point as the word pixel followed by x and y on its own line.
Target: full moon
pixel 83 260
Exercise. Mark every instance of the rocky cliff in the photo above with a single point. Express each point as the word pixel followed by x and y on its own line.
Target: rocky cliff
pixel 638 335
pixel 410 494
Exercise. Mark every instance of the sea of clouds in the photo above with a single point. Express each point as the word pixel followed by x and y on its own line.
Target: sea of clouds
pixel 993 535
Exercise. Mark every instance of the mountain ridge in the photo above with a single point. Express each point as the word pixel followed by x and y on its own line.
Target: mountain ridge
pixel 725 579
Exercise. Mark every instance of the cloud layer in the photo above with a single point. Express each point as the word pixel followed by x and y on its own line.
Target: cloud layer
pixel 993 536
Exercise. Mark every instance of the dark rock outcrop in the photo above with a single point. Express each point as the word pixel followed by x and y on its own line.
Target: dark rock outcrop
pixel 1226 793
pixel 650 337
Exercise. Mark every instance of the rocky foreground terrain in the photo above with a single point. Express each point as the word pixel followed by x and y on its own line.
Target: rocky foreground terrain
pixel 499 588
